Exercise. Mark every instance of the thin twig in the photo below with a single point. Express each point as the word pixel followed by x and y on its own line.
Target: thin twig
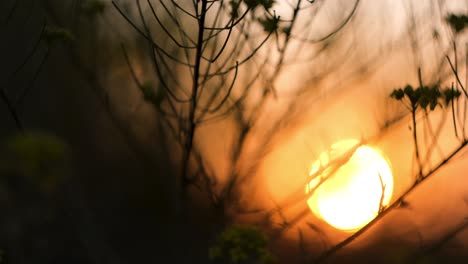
pixel 11 109
pixel 333 32
pixel 382 196
pixel 457 76
pixel 453 114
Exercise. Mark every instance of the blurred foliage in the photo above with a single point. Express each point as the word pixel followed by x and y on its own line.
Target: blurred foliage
pixel 286 30
pixel 32 229
pixel 234 4
pixel 93 7
pixel 457 22
pixel 252 4
pixel 150 95
pixel 269 24
pixel 450 94
pixel 57 34
pixel 241 244
pixel 39 158
pixel 426 96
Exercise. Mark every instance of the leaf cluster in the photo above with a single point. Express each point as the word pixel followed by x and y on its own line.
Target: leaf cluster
pixel 269 24
pixel 426 96
pixel 241 244
pixel 252 4
pixel 234 5
pixel 457 22
pixel 38 157
pixel 57 34
pixel 150 95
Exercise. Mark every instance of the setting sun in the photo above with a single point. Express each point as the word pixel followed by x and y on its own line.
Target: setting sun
pixel 351 193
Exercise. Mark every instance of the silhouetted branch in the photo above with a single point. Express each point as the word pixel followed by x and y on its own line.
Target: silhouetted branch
pixel 457 76
pixel 453 115
pixel 28 88
pixel 178 26
pixel 31 53
pixel 11 109
pixel 12 106
pixel 11 12
pixel 193 102
pixel 333 32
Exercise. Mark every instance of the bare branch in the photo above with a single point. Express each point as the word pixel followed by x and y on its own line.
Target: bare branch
pixel 333 32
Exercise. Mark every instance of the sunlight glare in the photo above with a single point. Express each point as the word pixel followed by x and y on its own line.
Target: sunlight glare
pixel 351 197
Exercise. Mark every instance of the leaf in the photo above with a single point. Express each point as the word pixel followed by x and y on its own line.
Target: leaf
pixel 450 95
pixel 433 105
pixel 457 22
pixel 286 30
pixel 38 157
pixel 234 4
pixel 151 95
pixel 397 94
pixel 269 24
pixel 252 4
pixel 428 96
pixel 57 34
pixel 241 244
pixel 411 94
pixel 423 101
pixel 214 253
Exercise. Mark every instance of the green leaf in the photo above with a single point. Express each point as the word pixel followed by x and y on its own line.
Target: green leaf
pixel 39 157
pixel 57 34
pixel 241 244
pixel 215 253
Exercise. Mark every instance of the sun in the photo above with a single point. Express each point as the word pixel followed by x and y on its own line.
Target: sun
pixel 346 188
